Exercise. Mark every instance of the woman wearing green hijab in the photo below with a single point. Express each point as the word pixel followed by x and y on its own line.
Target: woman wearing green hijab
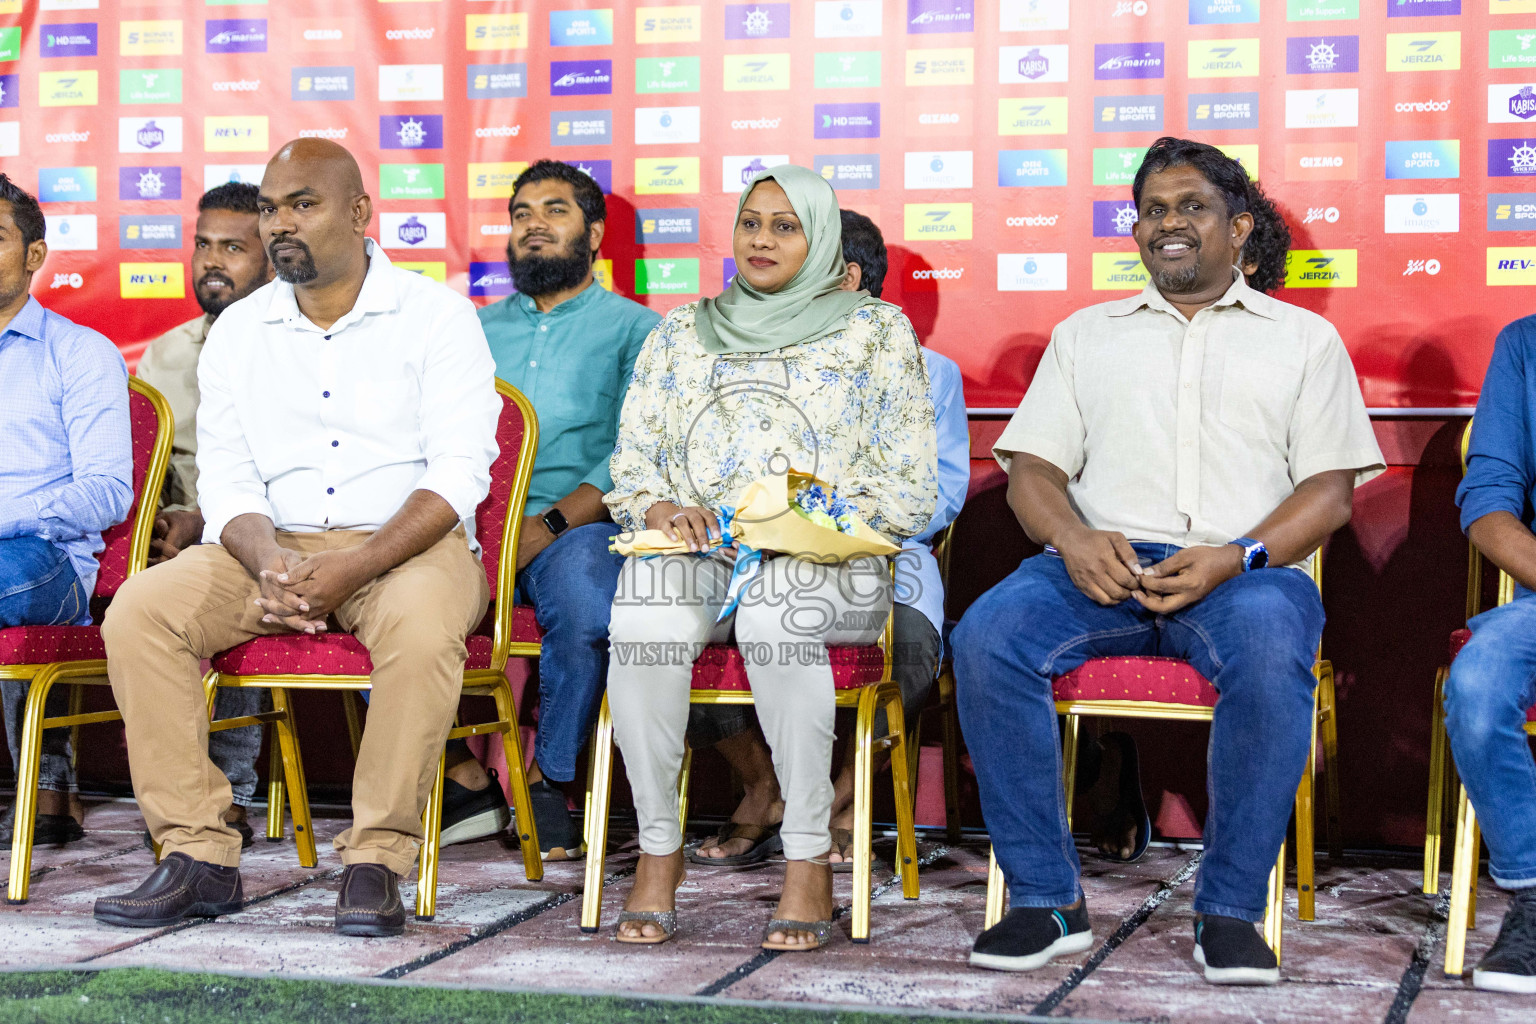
pixel 784 370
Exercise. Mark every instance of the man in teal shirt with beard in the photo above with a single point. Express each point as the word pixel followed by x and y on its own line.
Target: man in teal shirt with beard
pixel 570 346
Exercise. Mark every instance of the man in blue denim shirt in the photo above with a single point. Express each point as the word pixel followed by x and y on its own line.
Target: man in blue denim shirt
pixel 1170 447
pixel 66 470
pixel 569 345
pixel 1493 679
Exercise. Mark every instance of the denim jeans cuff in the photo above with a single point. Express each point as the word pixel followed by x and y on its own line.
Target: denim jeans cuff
pixel 55 773
pixel 1015 900
pixel 1222 910
pixel 1520 878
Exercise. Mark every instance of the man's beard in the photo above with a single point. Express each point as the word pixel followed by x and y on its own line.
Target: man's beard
pixel 537 274
pixel 1178 281
pixel 301 272
pixel 218 302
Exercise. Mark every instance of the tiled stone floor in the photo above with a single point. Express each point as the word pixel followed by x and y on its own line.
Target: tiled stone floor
pixel 1356 962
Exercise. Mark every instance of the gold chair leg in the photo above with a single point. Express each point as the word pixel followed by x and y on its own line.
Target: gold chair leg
pixel 76 706
pixel 517 782
pixel 1306 818
pixel 1069 739
pixel 275 792
pixel 863 790
pixel 293 770
pixel 1329 730
pixel 1274 911
pixel 682 789
pixel 349 701
pixel 27 777
pixel 431 831
pixel 1463 883
pixel 997 891
pixel 950 712
pixel 1434 820
pixel 600 785
pixel 906 831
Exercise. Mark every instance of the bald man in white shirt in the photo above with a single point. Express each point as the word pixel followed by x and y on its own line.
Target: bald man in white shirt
pixel 346 430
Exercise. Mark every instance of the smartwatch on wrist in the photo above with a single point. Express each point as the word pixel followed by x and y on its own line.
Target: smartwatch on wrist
pixel 555 520
pixel 1255 554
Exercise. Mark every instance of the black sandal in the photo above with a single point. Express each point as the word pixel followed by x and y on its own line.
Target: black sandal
pixel 1131 803
pixel 842 845
pixel 765 840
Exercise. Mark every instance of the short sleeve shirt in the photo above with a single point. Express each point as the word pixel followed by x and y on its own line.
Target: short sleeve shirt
pixel 1192 431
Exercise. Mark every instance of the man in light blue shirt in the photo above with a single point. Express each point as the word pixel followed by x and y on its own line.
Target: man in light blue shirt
pixel 570 346
pixel 918 614
pixel 66 471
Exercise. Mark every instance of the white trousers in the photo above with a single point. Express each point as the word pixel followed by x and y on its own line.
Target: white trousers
pixel 664 612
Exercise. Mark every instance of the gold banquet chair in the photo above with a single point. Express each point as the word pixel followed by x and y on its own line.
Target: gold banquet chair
pixel 943 704
pixel 862 679
pixel 339 661
pixel 48 655
pixel 1169 689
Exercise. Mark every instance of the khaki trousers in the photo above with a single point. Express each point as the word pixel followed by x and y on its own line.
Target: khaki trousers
pixel 413 620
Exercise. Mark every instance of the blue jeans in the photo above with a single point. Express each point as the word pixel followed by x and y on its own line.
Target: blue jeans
pixel 38 587
pixel 1492 684
pixel 571 585
pixel 1254 637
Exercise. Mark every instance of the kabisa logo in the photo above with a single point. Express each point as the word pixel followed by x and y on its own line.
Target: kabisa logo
pixel 580 77
pixel 1320 268
pixel 1127 60
pixel 152 135
pixel 489 279
pixel 497 81
pixel 923 222
pixel 581 28
pixel 1423 51
pixel 66 185
pixel 69 40
pixel 1118 271
pixel 666 175
pixel 1322 55
pixel 1113 218
pixel 1033 65
pixel 1223 12
pixel 1223 58
pixel 411 131
pixel 413 230
pixel 666 276
pixel 736 171
pixel 757 21
pixel 1423 214
pixel 1037 115
pixel 1511 157
pixel 236 35
pixel 1223 110
pixel 850 170
pixel 322 83
pixel 149 182
pixel 1031 271
pixel 1422 8
pixel 1427 158
pixel 580 127
pixel 1128 113
pixel 1025 64
pixel 1511 103
pixel 667 24
pixel 661 226
pixel 847 120
pixel 940 15
pixel 1031 168
pixel 1512 211
pixel 157 232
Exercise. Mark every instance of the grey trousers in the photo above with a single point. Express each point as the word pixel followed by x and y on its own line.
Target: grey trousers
pixel 56 770
pixel 665 610
pixel 234 751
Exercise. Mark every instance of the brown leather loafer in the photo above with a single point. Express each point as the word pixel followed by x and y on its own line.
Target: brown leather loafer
pixel 179 888
pixel 368 905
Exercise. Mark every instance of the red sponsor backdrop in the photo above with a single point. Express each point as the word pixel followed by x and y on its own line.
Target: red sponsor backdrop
pixel 823 83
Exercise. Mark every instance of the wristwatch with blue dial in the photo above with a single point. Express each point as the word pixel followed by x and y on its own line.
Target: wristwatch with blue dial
pixel 1255 554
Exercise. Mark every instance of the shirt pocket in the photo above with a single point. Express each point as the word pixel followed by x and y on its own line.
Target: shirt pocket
pixel 1258 393
pixel 388 405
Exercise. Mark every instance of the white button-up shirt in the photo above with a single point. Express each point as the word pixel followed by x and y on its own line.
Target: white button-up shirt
pixel 332 429
pixel 1192 431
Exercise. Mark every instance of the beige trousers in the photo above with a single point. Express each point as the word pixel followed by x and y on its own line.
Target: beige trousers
pixel 665 609
pixel 413 620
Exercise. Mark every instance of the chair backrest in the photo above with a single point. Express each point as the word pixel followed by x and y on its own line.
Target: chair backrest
pixel 1506 591
pixel 127 544
pixel 498 518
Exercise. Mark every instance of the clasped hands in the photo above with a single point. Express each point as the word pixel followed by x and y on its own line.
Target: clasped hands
pixel 300 592
pixel 1104 566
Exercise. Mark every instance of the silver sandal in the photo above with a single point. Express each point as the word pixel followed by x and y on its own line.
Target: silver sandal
pixel 666 920
pixel 821 929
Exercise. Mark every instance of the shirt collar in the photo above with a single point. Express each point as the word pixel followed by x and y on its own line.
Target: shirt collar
pixel 574 304
pixel 378 294
pixel 1238 294
pixel 29 320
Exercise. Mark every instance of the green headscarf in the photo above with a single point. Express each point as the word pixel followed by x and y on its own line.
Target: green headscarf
pixel 812 305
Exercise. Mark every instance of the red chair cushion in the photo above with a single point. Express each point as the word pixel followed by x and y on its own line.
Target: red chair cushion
pixel 1458 641
pixel 342 654
pixel 1165 680
pixel 721 667
pixel 36 645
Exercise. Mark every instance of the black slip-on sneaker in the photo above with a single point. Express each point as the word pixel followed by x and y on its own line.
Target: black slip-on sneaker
pixel 1510 965
pixel 1028 937
pixel 559 833
pixel 1233 952
pixel 470 814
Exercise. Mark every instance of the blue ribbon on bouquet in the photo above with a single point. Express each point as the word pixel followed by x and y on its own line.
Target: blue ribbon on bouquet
pixel 749 562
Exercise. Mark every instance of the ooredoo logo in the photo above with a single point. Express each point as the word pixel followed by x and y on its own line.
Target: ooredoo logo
pixel 954 273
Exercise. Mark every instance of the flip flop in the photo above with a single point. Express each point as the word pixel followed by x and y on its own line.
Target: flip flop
pixel 842 842
pixel 821 929
pixel 666 920
pixel 1131 798
pixel 765 840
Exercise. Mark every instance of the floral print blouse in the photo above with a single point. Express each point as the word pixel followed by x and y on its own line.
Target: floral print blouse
pixel 852 407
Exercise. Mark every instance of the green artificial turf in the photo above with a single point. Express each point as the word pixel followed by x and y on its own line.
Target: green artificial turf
pixel 131 995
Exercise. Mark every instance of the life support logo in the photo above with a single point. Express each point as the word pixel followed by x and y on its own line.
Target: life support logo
pixel 667 276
